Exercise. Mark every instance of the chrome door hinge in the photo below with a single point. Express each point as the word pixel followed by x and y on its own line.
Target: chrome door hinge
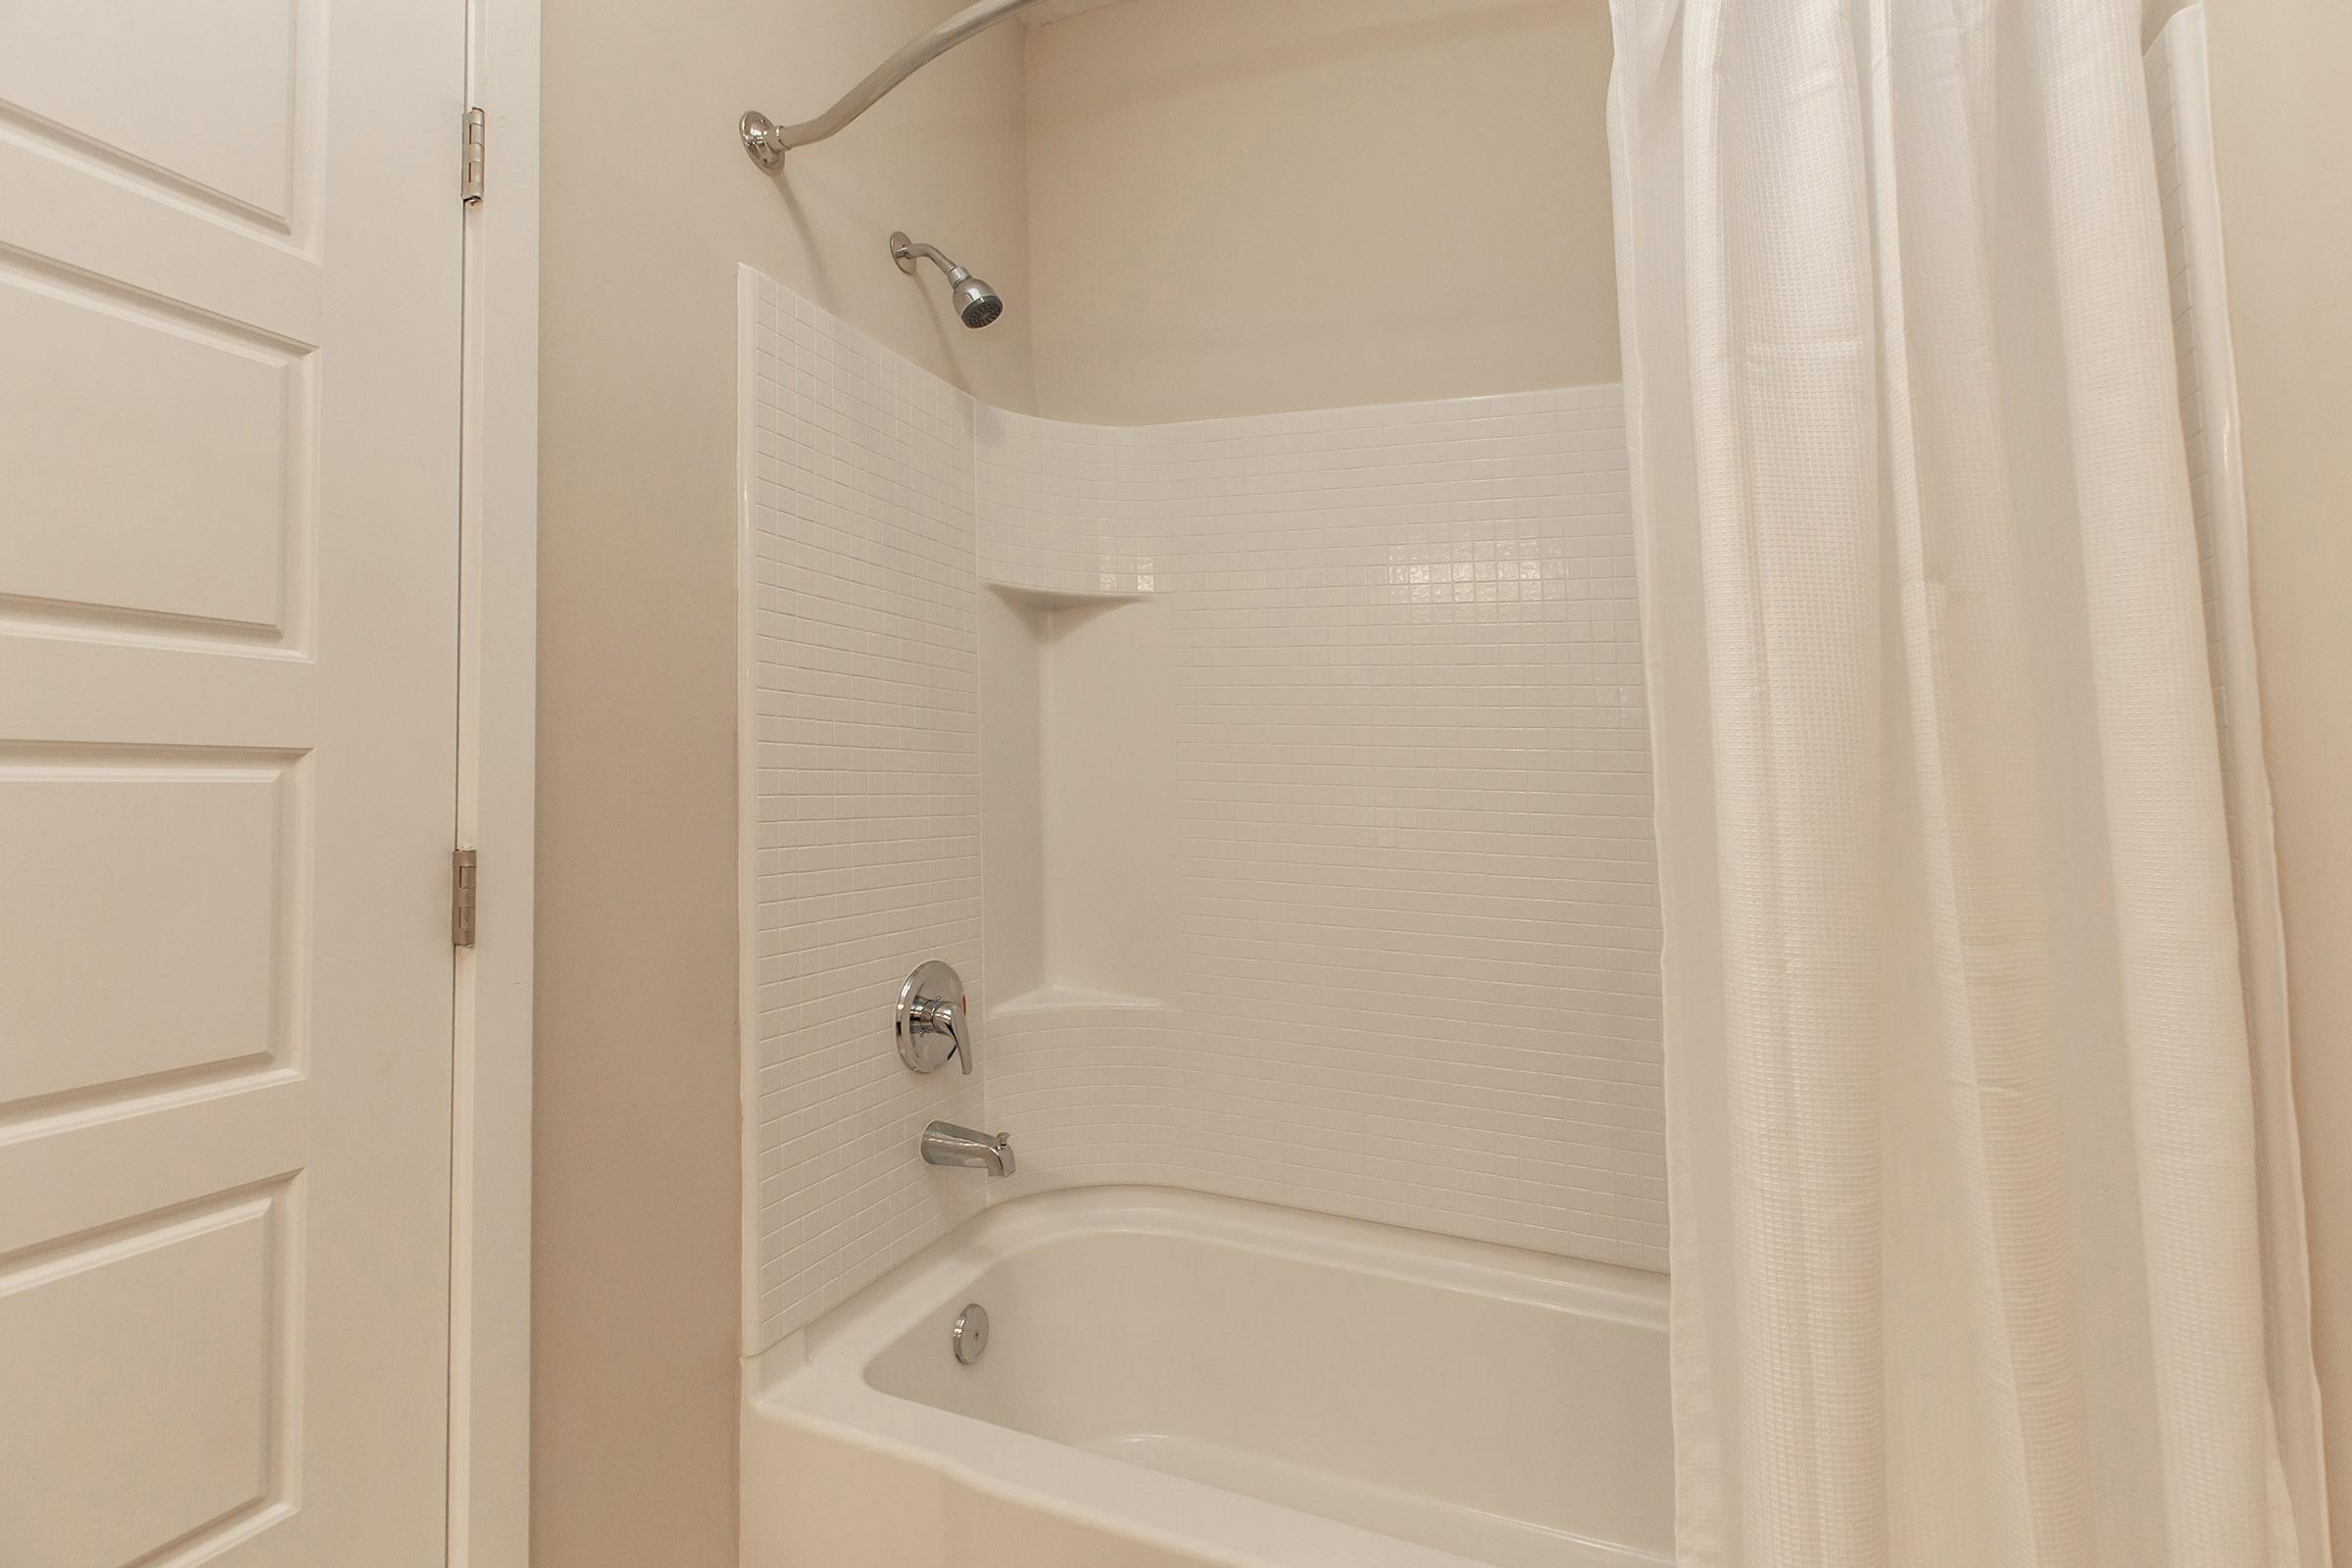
pixel 461 896
pixel 478 137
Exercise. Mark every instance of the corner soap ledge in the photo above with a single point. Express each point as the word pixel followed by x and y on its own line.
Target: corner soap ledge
pixel 1073 998
pixel 1033 596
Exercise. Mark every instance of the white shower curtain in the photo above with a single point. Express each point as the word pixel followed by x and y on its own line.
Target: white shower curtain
pixel 1983 1243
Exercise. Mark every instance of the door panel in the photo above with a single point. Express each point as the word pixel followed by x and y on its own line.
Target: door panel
pixel 145 931
pixel 184 1314
pixel 224 466
pixel 229 290
pixel 200 97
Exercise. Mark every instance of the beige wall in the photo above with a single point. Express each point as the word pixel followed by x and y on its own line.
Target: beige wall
pixel 2283 136
pixel 1239 207
pixel 649 203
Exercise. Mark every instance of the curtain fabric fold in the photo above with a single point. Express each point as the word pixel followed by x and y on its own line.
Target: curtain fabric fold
pixel 1967 1210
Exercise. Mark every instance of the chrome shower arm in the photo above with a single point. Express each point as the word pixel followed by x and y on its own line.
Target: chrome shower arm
pixel 768 142
pixel 976 304
pixel 904 251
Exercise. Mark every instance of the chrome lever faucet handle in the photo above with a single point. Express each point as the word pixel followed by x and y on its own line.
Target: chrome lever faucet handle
pixel 934 1019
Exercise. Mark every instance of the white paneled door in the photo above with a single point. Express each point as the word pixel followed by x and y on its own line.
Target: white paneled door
pixel 229 291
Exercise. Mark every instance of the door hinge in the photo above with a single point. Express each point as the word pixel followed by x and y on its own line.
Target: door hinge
pixel 461 896
pixel 477 138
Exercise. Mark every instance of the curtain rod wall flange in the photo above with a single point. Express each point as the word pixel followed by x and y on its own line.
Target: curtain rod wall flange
pixel 766 142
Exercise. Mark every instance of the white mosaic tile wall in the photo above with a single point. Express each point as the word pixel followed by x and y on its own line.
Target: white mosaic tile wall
pixel 1418 907
pixel 1417 911
pixel 863 798
pixel 1055 513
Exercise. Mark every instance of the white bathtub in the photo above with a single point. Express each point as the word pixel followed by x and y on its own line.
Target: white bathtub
pixel 1175 1380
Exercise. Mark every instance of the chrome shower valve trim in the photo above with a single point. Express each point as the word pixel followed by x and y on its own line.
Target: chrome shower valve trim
pixel 934 1019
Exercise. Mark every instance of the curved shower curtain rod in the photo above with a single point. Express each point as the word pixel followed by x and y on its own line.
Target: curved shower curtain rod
pixel 768 142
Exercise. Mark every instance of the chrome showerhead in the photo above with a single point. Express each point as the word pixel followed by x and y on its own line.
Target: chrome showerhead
pixel 976 304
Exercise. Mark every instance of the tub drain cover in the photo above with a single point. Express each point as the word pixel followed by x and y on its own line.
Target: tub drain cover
pixel 971 1333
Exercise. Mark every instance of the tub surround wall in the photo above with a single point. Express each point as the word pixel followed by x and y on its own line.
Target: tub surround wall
pixel 1056 515
pixel 863 795
pixel 1413 907
pixel 1313 776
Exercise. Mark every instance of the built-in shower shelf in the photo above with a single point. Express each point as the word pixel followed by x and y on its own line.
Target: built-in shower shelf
pixel 1035 598
pixel 1077 770
pixel 1073 998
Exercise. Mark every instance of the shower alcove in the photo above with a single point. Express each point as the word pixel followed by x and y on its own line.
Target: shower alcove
pixel 1265 748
